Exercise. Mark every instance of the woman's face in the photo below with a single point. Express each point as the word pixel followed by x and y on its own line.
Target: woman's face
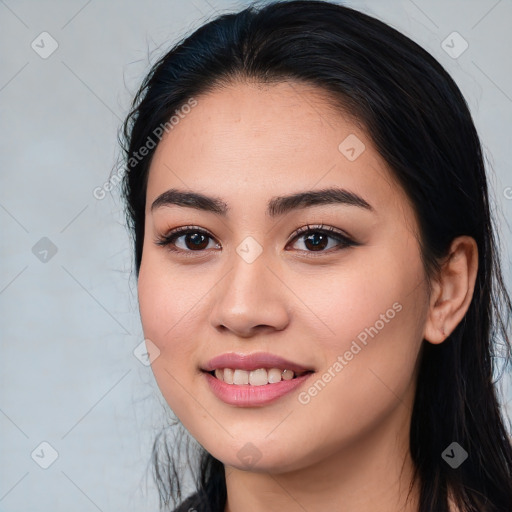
pixel 242 282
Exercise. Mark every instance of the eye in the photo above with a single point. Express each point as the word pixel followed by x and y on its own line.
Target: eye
pixel 195 239
pixel 316 238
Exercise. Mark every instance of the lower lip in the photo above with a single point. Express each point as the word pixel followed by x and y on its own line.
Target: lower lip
pixel 246 395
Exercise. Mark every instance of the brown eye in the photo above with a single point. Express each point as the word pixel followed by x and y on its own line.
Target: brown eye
pixel 194 240
pixel 317 239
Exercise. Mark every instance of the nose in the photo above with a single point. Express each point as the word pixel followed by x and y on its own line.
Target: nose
pixel 250 299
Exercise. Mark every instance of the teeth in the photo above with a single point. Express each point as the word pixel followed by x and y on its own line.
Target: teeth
pixel 240 377
pixel 274 375
pixel 259 377
pixel 228 375
pixel 287 375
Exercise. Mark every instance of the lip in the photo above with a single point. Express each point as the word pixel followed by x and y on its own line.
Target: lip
pixel 246 395
pixel 251 362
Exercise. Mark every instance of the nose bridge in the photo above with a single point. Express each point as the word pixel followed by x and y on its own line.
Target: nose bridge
pixel 250 268
pixel 248 280
pixel 250 294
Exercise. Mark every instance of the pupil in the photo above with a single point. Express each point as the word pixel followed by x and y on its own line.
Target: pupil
pixel 318 244
pixel 197 240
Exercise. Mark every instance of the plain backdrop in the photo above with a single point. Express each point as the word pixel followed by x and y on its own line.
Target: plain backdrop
pixel 69 318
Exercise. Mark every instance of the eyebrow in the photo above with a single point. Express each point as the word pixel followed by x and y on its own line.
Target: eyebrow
pixel 276 206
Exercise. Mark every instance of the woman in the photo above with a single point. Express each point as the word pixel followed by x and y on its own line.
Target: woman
pixel 318 276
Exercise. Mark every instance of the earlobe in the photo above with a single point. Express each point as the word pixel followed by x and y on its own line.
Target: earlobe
pixel 453 290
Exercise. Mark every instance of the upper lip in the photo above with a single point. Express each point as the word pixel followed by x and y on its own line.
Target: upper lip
pixel 251 362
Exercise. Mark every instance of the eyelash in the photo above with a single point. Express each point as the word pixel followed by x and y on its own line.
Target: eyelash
pixel 168 239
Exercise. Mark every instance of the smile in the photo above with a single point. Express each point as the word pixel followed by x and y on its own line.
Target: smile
pixel 259 377
pixel 253 395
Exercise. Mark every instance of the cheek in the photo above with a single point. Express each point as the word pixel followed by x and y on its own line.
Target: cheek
pixel 166 309
pixel 362 308
pixel 353 296
pixel 167 316
pixel 369 361
pixel 372 317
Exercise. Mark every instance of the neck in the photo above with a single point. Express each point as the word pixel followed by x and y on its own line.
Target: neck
pixel 372 473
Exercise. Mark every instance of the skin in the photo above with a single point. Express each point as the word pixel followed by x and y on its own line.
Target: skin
pixel 348 446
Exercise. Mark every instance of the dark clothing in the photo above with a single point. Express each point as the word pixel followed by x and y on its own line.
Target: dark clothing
pixel 196 504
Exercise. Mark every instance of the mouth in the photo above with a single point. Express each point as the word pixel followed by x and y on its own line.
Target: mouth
pixel 255 387
pixel 253 380
pixel 258 377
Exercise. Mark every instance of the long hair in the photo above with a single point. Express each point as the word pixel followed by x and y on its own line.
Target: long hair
pixel 421 126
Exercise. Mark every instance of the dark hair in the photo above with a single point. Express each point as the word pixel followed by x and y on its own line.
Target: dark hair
pixel 420 124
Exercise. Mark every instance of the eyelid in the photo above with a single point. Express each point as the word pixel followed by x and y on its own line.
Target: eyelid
pixel 323 228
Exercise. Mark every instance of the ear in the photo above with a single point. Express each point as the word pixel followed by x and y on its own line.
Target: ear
pixel 452 290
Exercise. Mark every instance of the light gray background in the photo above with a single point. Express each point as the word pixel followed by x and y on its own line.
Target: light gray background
pixel 69 325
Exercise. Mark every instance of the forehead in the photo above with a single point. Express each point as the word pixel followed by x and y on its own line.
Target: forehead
pixel 252 140
pixel 257 118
